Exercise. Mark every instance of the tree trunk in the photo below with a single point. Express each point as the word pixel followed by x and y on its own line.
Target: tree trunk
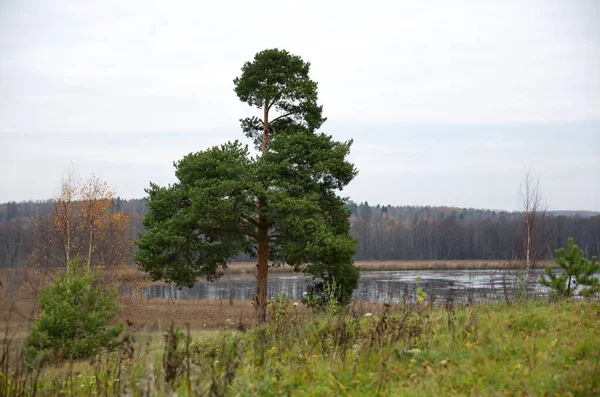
pixel 262 271
pixel 265 137
pixel 68 241
pixel 262 266
pixel 89 258
pixel 67 210
pixel 527 247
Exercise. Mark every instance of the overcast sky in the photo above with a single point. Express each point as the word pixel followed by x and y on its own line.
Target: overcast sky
pixel 448 102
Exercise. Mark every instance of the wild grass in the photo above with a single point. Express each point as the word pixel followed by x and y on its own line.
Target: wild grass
pixel 529 348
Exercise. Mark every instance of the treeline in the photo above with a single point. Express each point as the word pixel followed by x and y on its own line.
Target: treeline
pixel 34 209
pixel 383 232
pixel 447 233
pixel 27 225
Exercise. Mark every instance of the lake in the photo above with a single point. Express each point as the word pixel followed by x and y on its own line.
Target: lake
pixel 379 286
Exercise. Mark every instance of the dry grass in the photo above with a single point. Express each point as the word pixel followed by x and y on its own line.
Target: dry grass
pixel 250 267
pixel 18 308
pixel 441 265
pixel 157 314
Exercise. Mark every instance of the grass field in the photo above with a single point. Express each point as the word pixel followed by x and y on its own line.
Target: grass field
pixel 531 349
pixel 528 348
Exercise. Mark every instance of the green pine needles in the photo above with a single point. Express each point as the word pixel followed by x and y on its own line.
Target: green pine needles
pixel 278 204
pixel 577 276
pixel 75 315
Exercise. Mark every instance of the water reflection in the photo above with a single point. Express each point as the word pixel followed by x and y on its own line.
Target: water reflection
pixel 380 286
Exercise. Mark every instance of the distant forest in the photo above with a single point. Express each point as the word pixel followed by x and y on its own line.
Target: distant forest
pixel 384 232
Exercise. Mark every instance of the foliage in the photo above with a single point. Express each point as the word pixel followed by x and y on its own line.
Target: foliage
pixel 279 81
pixel 522 287
pixel 523 349
pixel 82 221
pixel 421 294
pixel 75 316
pixel 577 276
pixel 281 306
pixel 281 206
pixel 174 356
pixel 326 296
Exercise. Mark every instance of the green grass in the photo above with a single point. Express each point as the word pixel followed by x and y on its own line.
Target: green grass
pixel 490 349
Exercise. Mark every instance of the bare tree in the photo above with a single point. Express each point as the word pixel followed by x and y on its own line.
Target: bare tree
pixel 532 239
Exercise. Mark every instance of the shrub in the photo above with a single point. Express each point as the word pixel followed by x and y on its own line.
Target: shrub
pixel 578 273
pixel 325 296
pixel 75 315
pixel 421 294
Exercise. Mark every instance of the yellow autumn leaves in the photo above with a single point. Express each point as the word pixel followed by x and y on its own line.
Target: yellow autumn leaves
pixel 83 222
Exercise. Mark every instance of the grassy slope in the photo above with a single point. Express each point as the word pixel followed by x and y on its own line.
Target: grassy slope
pixel 485 350
pixel 491 349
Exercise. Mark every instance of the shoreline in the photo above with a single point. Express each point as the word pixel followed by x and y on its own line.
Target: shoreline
pixel 399 265
pixel 133 274
pixel 248 269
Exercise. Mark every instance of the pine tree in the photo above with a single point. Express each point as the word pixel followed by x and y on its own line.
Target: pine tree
pixel 75 317
pixel 578 272
pixel 280 206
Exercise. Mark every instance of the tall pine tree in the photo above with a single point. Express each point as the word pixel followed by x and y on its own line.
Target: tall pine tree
pixel 280 206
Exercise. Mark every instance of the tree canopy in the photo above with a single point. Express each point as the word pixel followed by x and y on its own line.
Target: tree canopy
pixel 279 206
pixel 277 81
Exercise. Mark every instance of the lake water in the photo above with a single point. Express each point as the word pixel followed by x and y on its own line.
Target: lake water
pixel 380 286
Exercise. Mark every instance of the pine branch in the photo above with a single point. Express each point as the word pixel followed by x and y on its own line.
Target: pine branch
pixel 226 230
pixel 281 117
